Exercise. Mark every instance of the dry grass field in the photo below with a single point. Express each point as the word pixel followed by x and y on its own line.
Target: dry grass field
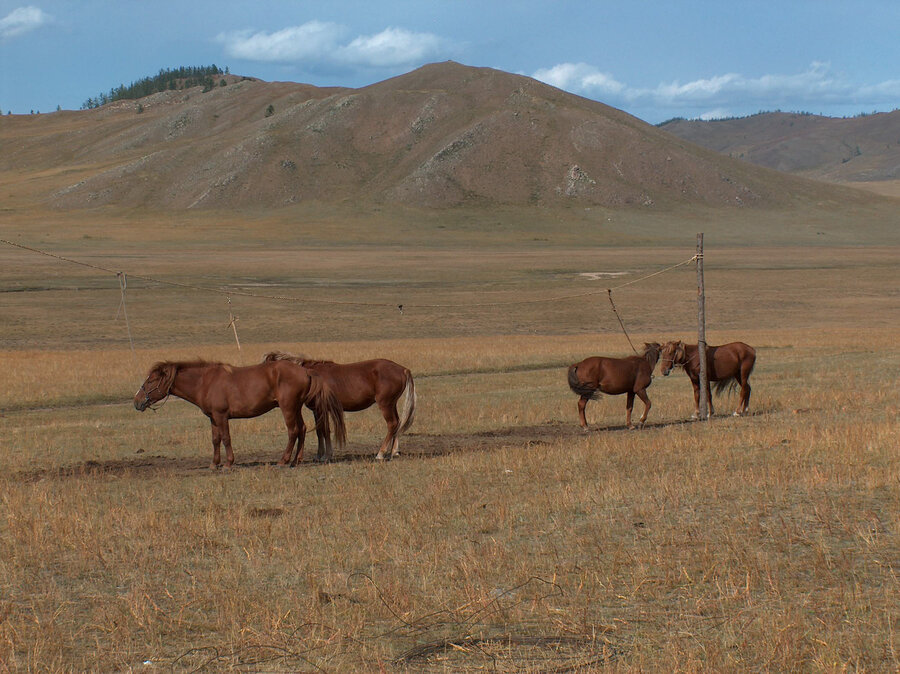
pixel 503 538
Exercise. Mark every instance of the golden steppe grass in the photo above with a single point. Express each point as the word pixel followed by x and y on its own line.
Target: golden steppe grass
pixel 503 538
pixel 765 542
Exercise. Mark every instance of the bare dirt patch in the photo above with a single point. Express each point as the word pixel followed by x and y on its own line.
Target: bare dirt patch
pixel 413 446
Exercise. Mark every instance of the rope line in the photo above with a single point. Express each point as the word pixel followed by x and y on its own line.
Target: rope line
pixel 615 311
pixel 233 325
pixel 312 300
pixel 123 284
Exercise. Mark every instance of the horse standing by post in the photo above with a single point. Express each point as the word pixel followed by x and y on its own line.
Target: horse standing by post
pixel 727 365
pixel 615 376
pixel 224 392
pixel 360 385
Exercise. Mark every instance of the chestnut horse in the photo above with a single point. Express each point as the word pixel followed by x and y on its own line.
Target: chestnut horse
pixel 223 392
pixel 615 376
pixel 360 385
pixel 727 365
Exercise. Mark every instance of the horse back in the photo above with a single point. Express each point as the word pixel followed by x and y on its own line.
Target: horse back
pixel 359 385
pixel 242 392
pixel 612 376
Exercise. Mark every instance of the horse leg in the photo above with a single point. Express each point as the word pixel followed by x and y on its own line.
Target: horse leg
pixel 389 411
pixel 292 422
pixel 301 438
pixel 709 400
pixel 323 441
pixel 629 405
pixel 744 406
pixel 696 385
pixel 216 443
pixel 642 394
pixel 220 422
pixel 582 403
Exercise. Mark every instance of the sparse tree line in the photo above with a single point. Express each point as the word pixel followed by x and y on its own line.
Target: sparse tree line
pixel 168 79
pixel 800 113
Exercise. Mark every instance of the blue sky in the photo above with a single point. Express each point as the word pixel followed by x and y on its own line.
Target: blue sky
pixel 653 59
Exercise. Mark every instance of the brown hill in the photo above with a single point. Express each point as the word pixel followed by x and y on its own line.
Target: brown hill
pixel 859 149
pixel 440 136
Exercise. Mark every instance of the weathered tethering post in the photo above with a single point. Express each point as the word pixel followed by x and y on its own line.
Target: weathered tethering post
pixel 701 331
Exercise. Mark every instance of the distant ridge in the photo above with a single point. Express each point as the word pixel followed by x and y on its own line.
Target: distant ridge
pixel 857 149
pixel 441 136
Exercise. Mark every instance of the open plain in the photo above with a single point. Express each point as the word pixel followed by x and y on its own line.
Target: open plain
pixel 503 538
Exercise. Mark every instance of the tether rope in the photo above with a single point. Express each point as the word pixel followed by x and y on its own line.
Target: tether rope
pixel 311 300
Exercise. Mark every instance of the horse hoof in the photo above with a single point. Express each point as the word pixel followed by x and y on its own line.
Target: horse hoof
pixel 213 466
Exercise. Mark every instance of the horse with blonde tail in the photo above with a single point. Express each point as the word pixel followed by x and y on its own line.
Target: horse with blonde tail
pixel 360 385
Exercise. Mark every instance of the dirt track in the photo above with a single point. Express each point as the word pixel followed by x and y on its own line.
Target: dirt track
pixel 413 445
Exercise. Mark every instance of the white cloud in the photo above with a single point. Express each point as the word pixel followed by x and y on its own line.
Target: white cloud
pixel 579 77
pixel 817 87
pixel 318 42
pixel 22 20
pixel 296 43
pixel 392 47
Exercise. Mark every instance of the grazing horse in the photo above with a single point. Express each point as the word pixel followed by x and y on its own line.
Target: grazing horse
pixel 223 392
pixel 727 365
pixel 615 376
pixel 360 385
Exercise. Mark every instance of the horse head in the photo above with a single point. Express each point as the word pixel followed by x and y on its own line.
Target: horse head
pixel 670 355
pixel 156 386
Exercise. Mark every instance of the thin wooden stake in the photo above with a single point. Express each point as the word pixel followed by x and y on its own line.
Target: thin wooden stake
pixel 233 324
pixel 701 332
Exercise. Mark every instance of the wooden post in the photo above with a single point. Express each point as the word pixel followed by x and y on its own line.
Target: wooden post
pixel 701 331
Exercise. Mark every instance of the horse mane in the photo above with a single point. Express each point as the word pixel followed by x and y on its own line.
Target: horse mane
pixel 168 369
pixel 300 358
pixel 651 353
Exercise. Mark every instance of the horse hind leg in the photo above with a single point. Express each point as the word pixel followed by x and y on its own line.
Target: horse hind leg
pixel 744 403
pixel 629 406
pixel 296 435
pixel 582 403
pixel 391 441
pixel 323 439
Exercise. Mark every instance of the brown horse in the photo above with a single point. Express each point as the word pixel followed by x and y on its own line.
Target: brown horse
pixel 727 365
pixel 615 376
pixel 360 385
pixel 224 392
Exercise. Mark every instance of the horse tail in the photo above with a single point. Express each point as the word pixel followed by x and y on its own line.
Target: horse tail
pixel 328 409
pixel 409 404
pixel 726 385
pixel 581 388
